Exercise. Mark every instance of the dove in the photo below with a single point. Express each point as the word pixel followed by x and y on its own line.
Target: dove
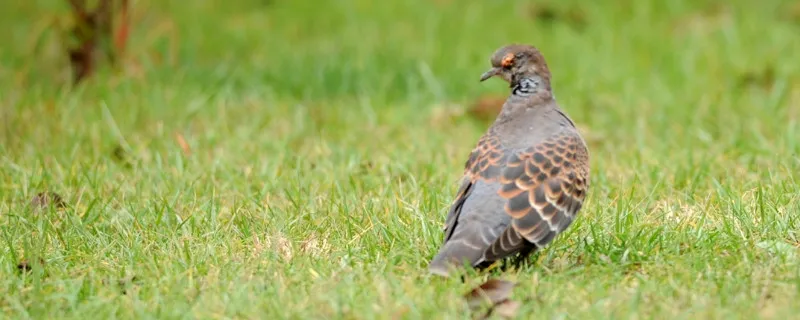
pixel 526 179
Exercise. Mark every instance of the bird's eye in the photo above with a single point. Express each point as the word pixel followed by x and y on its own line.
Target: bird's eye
pixel 508 61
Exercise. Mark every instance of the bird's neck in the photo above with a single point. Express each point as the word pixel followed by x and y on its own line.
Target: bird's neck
pixel 529 94
pixel 530 85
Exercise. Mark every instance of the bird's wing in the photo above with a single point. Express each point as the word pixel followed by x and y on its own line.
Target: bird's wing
pixel 545 186
pixel 466 235
pixel 485 162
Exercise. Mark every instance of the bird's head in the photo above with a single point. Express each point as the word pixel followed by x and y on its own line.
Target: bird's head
pixel 517 61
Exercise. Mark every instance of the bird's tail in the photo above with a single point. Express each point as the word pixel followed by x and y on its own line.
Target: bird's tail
pixel 455 254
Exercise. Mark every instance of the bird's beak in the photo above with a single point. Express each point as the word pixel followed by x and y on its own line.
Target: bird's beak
pixel 491 73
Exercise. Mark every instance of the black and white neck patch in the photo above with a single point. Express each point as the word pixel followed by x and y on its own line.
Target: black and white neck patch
pixel 527 86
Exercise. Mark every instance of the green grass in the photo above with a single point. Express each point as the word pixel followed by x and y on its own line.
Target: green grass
pixel 326 143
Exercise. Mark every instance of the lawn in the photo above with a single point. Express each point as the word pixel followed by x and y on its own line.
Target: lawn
pixel 296 159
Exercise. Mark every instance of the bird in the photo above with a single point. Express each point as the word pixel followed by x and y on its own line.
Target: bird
pixel 526 179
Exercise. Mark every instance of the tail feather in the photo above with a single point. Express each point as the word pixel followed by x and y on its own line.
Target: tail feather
pixel 507 244
pixel 460 252
pixel 455 254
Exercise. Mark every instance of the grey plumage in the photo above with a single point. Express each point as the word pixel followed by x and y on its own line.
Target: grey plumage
pixel 526 179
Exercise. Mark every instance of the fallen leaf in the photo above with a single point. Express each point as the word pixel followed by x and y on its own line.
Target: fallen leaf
pixel 542 13
pixel 282 246
pixel 506 309
pixel 492 292
pixel 763 78
pixel 121 156
pixel 44 200
pixel 312 246
pixel 486 108
pixel 124 284
pixel 127 284
pixel 366 166
pixel 573 16
pixel 25 266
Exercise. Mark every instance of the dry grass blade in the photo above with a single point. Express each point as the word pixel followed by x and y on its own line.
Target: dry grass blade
pixel 122 31
pixel 183 144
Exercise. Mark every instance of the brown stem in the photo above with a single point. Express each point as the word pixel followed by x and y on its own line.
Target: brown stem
pixel 89 30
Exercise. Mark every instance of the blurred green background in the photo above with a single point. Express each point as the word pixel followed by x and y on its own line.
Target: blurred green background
pixel 295 159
